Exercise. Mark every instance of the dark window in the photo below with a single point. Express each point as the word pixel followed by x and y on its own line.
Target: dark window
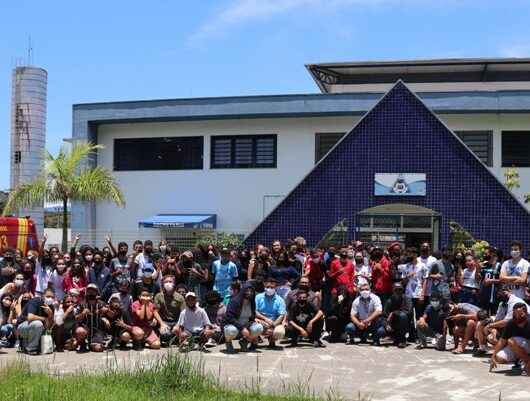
pixel 18 156
pixel 168 153
pixel 516 149
pixel 324 141
pixel 243 151
pixel 480 143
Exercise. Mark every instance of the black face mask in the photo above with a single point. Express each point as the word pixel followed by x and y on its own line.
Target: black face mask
pixel 211 302
pixel 123 291
pixel 408 259
pixel 303 286
pixel 91 297
pixel 122 253
pixel 487 257
pixel 302 303
pixel 148 250
pixel 358 261
pixel 27 275
pixel 187 263
pixel 247 296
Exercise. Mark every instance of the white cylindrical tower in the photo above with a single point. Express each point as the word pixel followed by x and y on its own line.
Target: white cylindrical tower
pixel 28 132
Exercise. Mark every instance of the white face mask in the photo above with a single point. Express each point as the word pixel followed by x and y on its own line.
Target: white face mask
pixel 316 260
pixel 435 304
pixel 163 248
pixel 515 254
pixel 270 291
pixel 89 258
pixel 48 301
pixel 169 287
pixel 365 294
pixel 19 282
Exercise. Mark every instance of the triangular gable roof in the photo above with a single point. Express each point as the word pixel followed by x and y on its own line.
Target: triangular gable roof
pixel 399 107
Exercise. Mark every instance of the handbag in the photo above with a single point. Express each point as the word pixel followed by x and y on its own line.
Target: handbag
pixel 46 344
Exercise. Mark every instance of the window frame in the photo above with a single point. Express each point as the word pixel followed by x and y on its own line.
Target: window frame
pixel 462 133
pixel 318 141
pixel 232 139
pixel 199 138
pixel 511 164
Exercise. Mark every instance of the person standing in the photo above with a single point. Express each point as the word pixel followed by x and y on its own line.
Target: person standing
pixel 381 274
pixel 514 271
pixel 490 273
pixel 224 272
pixel 342 273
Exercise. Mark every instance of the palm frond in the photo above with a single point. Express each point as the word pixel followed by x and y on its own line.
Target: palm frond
pixel 79 152
pixel 96 184
pixel 26 195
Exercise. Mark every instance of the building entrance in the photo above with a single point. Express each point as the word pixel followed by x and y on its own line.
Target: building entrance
pixel 410 225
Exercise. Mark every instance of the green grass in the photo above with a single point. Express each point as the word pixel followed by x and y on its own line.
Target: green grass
pixel 172 377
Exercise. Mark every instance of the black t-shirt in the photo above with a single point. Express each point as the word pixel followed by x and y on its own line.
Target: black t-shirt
pixel 33 306
pixel 513 330
pixel 301 315
pixel 435 318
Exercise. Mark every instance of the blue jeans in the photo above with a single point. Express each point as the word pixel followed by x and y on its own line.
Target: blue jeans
pixel 7 332
pixel 376 329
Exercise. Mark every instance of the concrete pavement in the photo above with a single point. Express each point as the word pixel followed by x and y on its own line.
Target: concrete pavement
pixel 382 373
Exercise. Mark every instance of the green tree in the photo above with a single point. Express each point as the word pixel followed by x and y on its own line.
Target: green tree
pixel 67 178
pixel 511 177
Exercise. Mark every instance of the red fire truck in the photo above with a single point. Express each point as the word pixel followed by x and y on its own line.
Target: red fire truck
pixel 17 233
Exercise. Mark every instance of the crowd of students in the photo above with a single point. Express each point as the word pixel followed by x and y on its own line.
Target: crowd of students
pixel 91 300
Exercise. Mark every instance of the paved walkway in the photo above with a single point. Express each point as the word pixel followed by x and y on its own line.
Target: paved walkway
pixel 383 373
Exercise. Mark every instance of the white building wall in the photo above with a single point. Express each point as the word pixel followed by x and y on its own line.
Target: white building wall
pixel 240 197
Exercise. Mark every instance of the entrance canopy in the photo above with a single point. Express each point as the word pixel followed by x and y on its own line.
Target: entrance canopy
pixel 399 209
pixel 180 221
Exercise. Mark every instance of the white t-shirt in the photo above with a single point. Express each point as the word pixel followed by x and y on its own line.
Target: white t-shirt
pixel 414 287
pixel 193 320
pixel 428 261
pixel 363 308
pixel 505 312
pixel 469 278
pixel 510 269
pixel 365 270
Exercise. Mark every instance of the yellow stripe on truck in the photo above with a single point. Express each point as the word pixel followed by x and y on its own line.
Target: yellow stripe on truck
pixel 22 240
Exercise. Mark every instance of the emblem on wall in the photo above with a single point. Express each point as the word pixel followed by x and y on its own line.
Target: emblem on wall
pixel 401 184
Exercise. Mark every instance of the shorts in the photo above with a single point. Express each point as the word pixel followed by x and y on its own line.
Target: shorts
pixel 508 355
pixel 150 335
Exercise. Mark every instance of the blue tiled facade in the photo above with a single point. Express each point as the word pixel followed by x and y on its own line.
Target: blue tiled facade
pixel 399 135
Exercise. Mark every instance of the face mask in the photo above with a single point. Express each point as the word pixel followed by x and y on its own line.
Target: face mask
pixel 124 290
pixel 89 258
pixel 230 292
pixel 163 248
pixel 148 250
pixel 515 254
pixel 270 291
pixel 302 302
pixel 303 286
pixel 358 261
pixel 248 295
pixel 91 296
pixel 520 320
pixel 365 294
pixel 19 283
pixel 169 287
pixel 435 304
pixel 487 257
pixel 48 301
pixel 211 302
pixel 27 274
pixel 408 259
pixel 316 260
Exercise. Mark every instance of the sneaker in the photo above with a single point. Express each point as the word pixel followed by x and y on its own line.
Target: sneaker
pixel 377 343
pixel 294 343
pixel 319 344
pixel 421 346
pixel 210 343
pixel 243 344
pixel 351 341
pixel 229 348
pixel 402 345
pixel 479 352
pixel 33 353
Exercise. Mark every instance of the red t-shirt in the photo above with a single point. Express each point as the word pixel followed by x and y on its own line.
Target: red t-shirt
pixel 143 323
pixel 314 273
pixel 382 282
pixel 342 275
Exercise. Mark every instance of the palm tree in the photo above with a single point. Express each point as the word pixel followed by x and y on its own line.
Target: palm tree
pixel 67 178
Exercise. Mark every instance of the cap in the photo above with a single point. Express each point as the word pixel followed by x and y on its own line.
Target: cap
pixel 225 251
pixel 92 286
pixel 190 295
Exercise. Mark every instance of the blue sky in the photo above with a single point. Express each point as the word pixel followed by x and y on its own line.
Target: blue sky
pixel 125 50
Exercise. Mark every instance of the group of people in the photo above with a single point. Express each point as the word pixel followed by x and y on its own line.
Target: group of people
pixel 91 299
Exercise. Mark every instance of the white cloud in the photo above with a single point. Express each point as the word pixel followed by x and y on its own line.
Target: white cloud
pixel 242 11
pixel 516 51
